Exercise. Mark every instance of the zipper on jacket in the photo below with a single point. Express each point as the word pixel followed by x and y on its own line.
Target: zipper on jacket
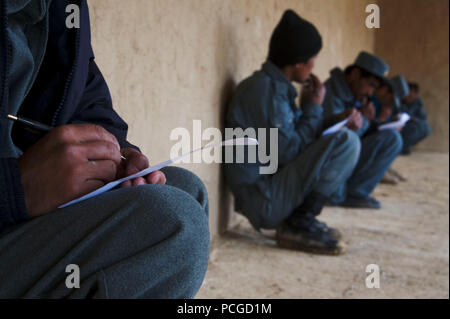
pixel 69 79
pixel 8 54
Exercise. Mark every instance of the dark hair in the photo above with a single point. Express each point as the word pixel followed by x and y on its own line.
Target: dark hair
pixel 281 64
pixel 364 73
pixel 414 87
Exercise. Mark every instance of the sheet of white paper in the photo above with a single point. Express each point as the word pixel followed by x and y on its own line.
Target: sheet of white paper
pixel 335 128
pixel 145 172
pixel 400 123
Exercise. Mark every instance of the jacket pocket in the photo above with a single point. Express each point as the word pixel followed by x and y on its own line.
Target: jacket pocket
pixel 282 115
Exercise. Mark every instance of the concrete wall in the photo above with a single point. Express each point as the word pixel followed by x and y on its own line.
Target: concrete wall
pixel 414 40
pixel 169 62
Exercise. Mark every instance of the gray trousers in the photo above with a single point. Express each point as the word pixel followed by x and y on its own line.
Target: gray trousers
pixel 414 132
pixel 148 241
pixel 323 167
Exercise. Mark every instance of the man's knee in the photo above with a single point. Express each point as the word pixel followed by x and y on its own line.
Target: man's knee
pixel 351 145
pixel 189 182
pixel 184 232
pixel 172 205
pixel 392 141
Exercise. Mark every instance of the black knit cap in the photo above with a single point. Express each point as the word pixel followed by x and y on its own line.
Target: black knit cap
pixel 294 40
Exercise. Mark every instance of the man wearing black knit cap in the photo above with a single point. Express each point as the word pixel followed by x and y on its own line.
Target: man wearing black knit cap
pixel 311 169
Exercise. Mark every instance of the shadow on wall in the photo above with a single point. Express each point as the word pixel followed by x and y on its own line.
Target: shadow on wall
pixel 226 48
pixel 226 207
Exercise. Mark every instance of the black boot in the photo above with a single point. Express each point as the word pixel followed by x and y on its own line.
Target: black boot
pixel 302 231
pixel 307 213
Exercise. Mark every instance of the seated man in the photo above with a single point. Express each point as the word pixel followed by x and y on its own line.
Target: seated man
pixel 143 240
pixel 387 100
pixel 417 129
pixel 351 90
pixel 311 169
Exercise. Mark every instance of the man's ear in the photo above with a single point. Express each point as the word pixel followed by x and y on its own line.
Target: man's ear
pixel 299 66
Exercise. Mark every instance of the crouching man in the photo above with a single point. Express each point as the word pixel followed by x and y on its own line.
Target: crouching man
pixel 418 128
pixel 311 169
pixel 387 102
pixel 351 89
pixel 147 239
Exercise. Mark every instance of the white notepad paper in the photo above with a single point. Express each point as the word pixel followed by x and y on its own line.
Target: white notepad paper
pixel 399 124
pixel 145 172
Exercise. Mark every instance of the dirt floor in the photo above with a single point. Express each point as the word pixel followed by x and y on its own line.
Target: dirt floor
pixel 408 239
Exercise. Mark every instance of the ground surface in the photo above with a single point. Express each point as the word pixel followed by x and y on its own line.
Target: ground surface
pixel 408 239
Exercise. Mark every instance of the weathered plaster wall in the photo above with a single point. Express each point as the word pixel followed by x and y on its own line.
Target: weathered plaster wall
pixel 414 40
pixel 169 62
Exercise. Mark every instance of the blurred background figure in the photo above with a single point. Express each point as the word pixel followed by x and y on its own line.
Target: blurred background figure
pixel 417 129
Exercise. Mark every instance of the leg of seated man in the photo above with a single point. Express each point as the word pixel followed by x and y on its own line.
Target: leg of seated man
pixel 148 241
pixel 378 152
pixel 296 194
pixel 321 168
pixel 413 133
pixel 188 182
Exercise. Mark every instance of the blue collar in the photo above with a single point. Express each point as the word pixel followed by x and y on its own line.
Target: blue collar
pixel 340 86
pixel 31 11
pixel 282 82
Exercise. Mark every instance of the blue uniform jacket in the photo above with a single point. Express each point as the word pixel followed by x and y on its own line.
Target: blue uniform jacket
pixel 69 89
pixel 339 97
pixel 267 100
pixel 416 110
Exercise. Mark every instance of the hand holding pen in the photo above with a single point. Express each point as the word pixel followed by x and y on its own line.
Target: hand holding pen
pixel 35 125
pixel 73 160
pixel 313 90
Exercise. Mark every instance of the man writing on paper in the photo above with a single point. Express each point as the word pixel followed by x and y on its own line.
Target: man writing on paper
pixel 143 240
pixel 350 90
pixel 387 101
pixel 311 169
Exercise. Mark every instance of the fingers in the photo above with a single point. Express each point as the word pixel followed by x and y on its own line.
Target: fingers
pixel 355 120
pixel 135 162
pixel 317 83
pixel 103 170
pixel 315 80
pixel 139 181
pixel 82 133
pixel 100 150
pixel 126 184
pixel 157 177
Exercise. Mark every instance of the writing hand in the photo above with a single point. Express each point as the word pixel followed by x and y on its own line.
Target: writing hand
pixel 134 163
pixel 67 163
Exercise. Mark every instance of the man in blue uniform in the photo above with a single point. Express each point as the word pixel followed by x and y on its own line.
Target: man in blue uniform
pixel 387 100
pixel 351 89
pixel 417 129
pixel 147 239
pixel 311 169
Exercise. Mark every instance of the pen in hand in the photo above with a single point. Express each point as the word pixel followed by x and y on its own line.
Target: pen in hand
pixel 36 125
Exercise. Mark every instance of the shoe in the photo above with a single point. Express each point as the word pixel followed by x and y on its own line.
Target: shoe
pixel 306 220
pixel 390 179
pixel 399 176
pixel 312 240
pixel 332 232
pixel 353 202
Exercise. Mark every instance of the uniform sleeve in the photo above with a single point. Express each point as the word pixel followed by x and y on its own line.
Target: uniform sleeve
pixel 420 111
pixel 96 107
pixel 332 106
pixel 296 130
pixel 309 125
